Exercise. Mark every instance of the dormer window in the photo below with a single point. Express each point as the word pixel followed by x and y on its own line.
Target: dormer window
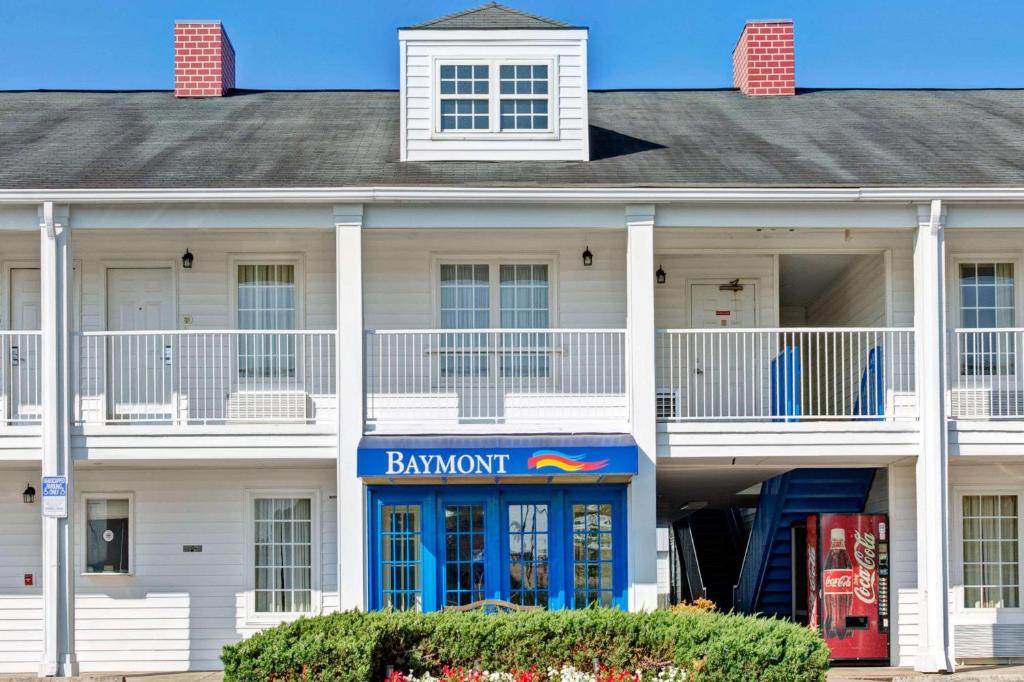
pixel 521 108
pixel 520 92
pixel 465 97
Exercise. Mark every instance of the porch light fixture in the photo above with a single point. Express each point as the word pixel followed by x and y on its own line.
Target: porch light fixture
pixel 733 286
pixel 588 258
pixel 29 496
pixel 186 260
pixel 660 275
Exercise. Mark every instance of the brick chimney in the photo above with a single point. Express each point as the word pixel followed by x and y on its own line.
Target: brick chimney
pixel 762 61
pixel 204 60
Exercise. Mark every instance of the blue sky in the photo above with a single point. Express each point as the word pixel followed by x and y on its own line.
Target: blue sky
pixel 126 44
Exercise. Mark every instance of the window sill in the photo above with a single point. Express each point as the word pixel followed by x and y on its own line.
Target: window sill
pixel 547 136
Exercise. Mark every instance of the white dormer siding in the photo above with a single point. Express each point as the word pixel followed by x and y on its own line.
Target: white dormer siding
pixel 562 56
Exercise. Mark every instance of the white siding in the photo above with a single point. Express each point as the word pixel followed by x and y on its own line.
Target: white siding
pixel 856 298
pixel 400 274
pixel 728 253
pixel 178 609
pixel 21 608
pixel 567 49
pixel 204 292
pixel 903 560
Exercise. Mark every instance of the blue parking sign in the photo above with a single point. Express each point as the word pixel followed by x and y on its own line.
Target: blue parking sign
pixel 55 496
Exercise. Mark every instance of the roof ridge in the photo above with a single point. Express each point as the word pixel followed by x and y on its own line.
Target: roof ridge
pixel 490 5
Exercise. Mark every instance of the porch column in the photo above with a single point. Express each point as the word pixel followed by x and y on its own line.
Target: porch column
pixel 58 541
pixel 933 651
pixel 351 500
pixel 643 545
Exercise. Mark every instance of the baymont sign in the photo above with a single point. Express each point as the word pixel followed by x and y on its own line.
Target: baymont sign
pixel 401 464
pixel 449 460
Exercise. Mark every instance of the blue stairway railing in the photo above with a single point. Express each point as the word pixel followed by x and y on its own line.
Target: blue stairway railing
pixel 759 545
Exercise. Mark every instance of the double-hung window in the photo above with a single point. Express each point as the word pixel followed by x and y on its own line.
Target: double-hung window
pixel 465 97
pixel 987 304
pixel 991 550
pixel 495 96
pixel 518 296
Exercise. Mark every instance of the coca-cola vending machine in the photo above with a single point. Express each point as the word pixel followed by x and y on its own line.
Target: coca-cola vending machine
pixel 848 584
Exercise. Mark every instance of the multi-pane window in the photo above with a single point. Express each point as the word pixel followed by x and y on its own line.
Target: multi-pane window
pixel 991 559
pixel 463 554
pixel 464 97
pixel 524 304
pixel 592 554
pixel 520 85
pixel 107 535
pixel 521 94
pixel 266 303
pixel 400 556
pixel 987 302
pixel 283 554
pixel 528 554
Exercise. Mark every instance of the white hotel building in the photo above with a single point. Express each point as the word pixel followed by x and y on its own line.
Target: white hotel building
pixel 574 315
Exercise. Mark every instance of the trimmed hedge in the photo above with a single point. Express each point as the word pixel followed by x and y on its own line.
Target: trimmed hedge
pixel 353 646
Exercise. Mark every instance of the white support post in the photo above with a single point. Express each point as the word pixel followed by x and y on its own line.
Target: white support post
pixel 348 224
pixel 643 545
pixel 58 579
pixel 933 651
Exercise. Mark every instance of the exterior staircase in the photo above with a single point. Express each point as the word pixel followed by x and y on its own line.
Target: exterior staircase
pixel 764 584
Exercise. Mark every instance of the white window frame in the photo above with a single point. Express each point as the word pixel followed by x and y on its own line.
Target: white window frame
pixel 82 505
pixel 983 616
pixel 494 98
pixel 253 617
pixel 494 263
pixel 954 261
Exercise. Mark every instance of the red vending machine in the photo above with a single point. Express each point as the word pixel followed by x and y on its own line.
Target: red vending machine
pixel 848 584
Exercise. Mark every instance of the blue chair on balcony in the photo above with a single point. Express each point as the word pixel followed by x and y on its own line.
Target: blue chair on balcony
pixel 785 385
pixel 871 401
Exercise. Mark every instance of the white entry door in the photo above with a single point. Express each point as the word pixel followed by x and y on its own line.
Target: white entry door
pixel 140 372
pixel 23 349
pixel 726 381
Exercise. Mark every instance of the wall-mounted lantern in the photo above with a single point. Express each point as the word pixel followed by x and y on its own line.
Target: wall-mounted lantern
pixel 29 496
pixel 660 275
pixel 186 260
pixel 588 258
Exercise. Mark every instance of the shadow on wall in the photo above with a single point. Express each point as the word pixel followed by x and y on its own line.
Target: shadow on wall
pixel 607 144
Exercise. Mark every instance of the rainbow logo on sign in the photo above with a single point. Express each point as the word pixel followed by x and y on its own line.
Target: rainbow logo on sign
pixel 552 459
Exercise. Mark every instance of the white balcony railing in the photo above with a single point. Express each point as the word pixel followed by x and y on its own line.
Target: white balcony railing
pixel 206 377
pixel 985 374
pixel 20 383
pixel 496 376
pixel 785 374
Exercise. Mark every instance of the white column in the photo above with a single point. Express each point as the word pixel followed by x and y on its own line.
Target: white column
pixel 643 545
pixel 933 651
pixel 348 223
pixel 58 541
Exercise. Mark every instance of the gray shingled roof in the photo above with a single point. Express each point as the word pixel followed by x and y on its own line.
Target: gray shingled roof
pixel 638 138
pixel 491 16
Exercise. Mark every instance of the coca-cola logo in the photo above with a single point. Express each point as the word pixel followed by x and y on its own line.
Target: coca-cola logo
pixel 837 580
pixel 865 554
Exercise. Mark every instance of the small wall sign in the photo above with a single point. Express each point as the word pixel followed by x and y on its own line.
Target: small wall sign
pixel 191 548
pixel 55 497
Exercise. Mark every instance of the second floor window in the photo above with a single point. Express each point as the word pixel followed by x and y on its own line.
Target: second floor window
pixel 987 303
pixel 266 303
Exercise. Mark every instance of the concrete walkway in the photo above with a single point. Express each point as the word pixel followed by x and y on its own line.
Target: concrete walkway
pixel 972 673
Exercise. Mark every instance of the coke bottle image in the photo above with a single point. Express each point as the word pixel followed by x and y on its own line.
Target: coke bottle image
pixel 836 587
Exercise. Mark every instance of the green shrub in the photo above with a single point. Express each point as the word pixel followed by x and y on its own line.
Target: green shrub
pixel 359 647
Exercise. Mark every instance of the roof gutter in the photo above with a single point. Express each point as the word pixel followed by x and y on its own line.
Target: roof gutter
pixel 589 195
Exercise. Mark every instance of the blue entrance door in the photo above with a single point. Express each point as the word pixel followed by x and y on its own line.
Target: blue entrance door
pixel 547 546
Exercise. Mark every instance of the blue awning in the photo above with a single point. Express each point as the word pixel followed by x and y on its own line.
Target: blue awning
pixel 497 456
